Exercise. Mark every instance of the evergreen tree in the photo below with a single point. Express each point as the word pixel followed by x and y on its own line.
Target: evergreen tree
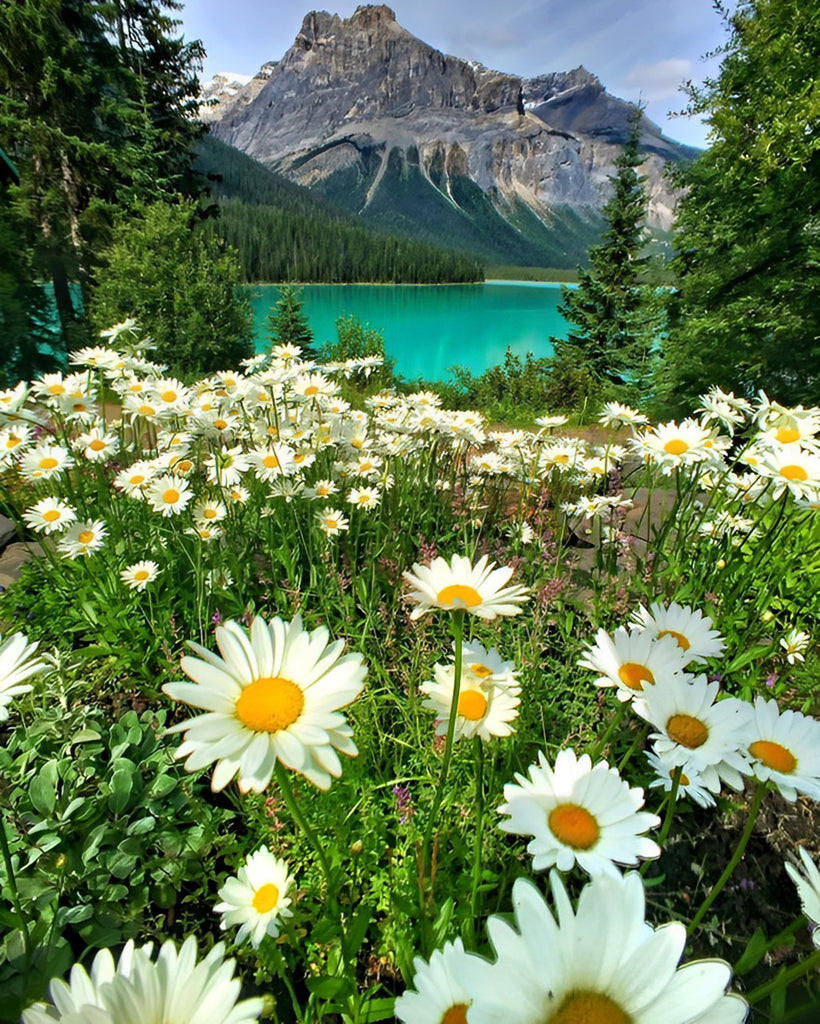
pixel 180 284
pixel 613 312
pixel 288 325
pixel 746 313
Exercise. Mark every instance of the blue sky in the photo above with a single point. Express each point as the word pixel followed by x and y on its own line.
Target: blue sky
pixel 638 48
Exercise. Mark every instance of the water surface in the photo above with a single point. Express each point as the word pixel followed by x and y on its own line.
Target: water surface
pixel 429 328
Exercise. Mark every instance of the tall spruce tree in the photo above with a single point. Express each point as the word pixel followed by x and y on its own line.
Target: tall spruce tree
pixel 288 325
pixel 614 313
pixel 746 313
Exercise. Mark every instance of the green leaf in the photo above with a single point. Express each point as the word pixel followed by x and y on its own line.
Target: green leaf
pixel 747 657
pixel 122 785
pixel 329 988
pixel 43 789
pixel 378 1009
pixel 753 953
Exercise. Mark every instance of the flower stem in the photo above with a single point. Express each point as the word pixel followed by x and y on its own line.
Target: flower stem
pixel 600 747
pixel 479 831
pixel 671 801
pixel 15 892
pixel 785 977
pixel 293 806
pixel 757 800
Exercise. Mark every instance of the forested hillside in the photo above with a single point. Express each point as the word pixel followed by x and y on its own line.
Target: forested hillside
pixel 285 233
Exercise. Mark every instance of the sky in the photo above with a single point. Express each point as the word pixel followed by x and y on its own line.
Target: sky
pixel 639 49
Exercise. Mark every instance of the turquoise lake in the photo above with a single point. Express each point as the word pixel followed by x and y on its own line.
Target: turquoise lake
pixel 429 328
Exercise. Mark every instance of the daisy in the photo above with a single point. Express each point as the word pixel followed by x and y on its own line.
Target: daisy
pixel 226 467
pixel 128 326
pixel 209 511
pixel 134 480
pixel 140 574
pixel 673 445
pixel 49 515
pixel 700 788
pixel 458 585
pixel 601 963
pixel 580 814
pixel 693 728
pixel 784 747
pixel 175 987
pixel 633 660
pixel 690 628
pixel 13 441
pixel 332 521
pixel 168 494
pixel 794 643
pixel 270 463
pixel 256 898
pixel 322 489
pixel 274 695
pixel 614 415
pixel 808 889
pixel 98 357
pixel 485 707
pixel 97 444
pixel 795 471
pixel 82 539
pixel 364 497
pixel 439 998
pixel 17 664
pixel 45 461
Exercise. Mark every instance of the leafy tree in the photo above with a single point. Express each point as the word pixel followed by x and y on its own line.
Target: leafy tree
pixel 288 325
pixel 356 340
pixel 614 313
pixel 181 286
pixel 746 314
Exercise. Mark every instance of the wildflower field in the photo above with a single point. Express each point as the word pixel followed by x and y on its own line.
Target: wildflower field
pixel 314 712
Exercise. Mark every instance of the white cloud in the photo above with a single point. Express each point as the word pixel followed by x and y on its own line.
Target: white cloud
pixel 661 80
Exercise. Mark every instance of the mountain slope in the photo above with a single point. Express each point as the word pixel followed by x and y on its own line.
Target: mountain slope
pixel 415 140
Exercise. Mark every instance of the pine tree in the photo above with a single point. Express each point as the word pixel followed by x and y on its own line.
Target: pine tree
pixel 288 325
pixel 614 314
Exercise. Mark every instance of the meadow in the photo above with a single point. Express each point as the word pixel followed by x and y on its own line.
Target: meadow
pixel 322 703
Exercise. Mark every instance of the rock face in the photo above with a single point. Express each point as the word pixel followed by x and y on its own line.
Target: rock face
pixel 420 141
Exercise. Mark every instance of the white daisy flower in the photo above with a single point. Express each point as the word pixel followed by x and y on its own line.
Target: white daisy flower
pixel 82 539
pixel 209 511
pixel 140 574
pixel 601 963
pixel 257 898
pixel 793 470
pixel 321 489
pixel 274 695
pixel 271 462
pixel 17 664
pixel 808 889
pixel 689 627
pixel 485 706
pixel 332 521
pixel 49 515
pixel 794 643
pixel 438 998
pixel 97 444
pixel 133 480
pixel 45 460
pixel 580 814
pixel 614 415
pixel 364 497
pixel 227 467
pixel 168 494
pixel 784 747
pixel 633 660
pixel 459 585
pixel 700 788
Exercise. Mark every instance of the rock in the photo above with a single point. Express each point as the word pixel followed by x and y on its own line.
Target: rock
pixel 8 531
pixel 13 558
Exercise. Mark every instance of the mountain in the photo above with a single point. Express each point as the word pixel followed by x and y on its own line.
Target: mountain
pixel 511 169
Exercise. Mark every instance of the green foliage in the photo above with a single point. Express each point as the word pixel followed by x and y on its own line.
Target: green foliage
pixel 515 392
pixel 614 313
pixel 181 285
pixel 286 233
pixel 288 325
pixel 746 315
pixel 357 341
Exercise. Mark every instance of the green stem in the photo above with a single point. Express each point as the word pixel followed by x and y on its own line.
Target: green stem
pixel 778 940
pixel 671 801
pixel 293 806
pixel 735 860
pixel 15 893
pixel 786 977
pixel 596 752
pixel 479 831
pixel 457 625
pixel 640 735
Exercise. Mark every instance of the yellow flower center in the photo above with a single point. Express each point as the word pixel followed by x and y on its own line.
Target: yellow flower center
pixel 137 478
pixel 52 515
pixel 97 445
pixel 331 523
pixel 774 756
pixel 456 1014
pixel 170 497
pixel 13 441
pixel 184 466
pixel 311 390
pixel 270 461
pixel 265 898
pixel 358 443
pixel 562 460
pixel 270 704
pixel 794 473
pixel 141 575
pixel 482 671
pixel 147 410
pixel 589 1008
pixel 56 389
pixel 364 499
pixel 677 446
pixel 683 643
pixel 688 731
pixel 48 463
pixel 466 596
pixel 574 826
pixel 209 513
pixel 472 704
pixel 787 435
pixel 86 537
pixel 169 396
pixel 634 675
